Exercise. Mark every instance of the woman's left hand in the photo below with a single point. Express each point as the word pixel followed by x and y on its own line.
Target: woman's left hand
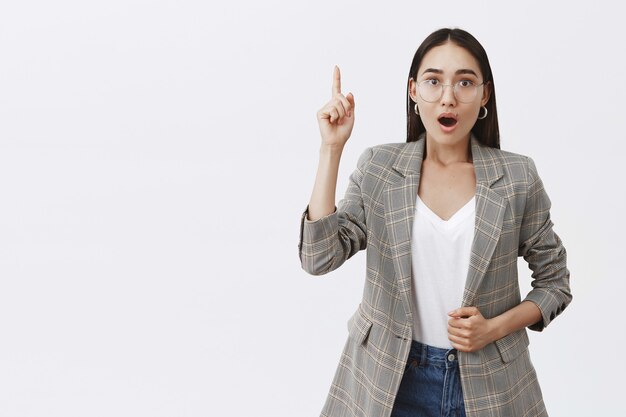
pixel 468 330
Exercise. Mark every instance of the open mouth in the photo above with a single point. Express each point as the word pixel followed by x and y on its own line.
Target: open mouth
pixel 447 121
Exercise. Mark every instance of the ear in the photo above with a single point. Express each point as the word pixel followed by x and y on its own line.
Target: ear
pixel 413 90
pixel 486 93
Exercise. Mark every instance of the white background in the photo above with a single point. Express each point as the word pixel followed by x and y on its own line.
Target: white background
pixel 156 156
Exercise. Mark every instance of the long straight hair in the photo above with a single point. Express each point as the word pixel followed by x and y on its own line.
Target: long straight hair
pixel 485 130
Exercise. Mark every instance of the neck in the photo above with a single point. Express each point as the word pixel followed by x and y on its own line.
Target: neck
pixel 446 154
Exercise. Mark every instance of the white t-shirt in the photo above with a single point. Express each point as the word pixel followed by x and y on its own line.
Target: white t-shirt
pixel 440 251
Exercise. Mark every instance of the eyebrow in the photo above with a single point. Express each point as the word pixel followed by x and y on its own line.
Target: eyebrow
pixel 460 71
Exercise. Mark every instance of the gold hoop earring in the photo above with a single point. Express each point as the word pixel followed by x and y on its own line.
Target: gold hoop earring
pixel 485 115
pixel 416 111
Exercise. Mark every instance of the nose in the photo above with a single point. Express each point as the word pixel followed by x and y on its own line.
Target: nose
pixel 447 96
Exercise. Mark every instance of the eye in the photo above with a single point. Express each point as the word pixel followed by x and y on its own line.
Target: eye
pixel 431 82
pixel 465 83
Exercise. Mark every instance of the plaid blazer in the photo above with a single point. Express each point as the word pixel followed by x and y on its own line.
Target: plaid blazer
pixel 377 211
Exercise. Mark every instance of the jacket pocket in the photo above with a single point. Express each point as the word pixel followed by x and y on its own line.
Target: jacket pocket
pixel 359 326
pixel 512 345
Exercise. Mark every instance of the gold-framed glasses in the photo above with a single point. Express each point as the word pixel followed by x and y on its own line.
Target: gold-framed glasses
pixel 464 90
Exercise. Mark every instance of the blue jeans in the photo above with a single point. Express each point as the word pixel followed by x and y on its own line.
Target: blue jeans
pixel 431 384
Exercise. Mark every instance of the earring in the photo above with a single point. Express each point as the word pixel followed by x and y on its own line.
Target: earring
pixel 485 115
pixel 416 111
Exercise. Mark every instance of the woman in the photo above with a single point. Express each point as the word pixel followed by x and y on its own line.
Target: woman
pixel 441 329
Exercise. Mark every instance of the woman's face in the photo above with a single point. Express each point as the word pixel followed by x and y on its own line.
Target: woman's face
pixel 449 121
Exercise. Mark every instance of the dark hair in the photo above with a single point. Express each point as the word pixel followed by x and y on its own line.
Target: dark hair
pixel 486 130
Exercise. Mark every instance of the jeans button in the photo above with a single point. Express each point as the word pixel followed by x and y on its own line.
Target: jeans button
pixel 451 357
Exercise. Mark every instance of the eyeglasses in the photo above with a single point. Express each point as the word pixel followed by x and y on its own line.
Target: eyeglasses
pixel 464 90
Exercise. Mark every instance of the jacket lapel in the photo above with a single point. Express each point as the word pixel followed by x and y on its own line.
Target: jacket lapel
pixel 399 199
pixel 490 208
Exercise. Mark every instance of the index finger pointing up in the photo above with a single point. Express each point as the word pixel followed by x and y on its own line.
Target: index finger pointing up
pixel 336 81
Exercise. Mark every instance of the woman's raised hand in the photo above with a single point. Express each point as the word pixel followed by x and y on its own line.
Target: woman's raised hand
pixel 336 118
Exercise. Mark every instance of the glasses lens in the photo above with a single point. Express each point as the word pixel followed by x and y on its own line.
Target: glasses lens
pixel 429 91
pixel 465 92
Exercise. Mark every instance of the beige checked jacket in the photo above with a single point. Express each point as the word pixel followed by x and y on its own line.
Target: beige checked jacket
pixel 377 211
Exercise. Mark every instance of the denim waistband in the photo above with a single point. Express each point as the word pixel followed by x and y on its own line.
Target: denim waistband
pixel 425 354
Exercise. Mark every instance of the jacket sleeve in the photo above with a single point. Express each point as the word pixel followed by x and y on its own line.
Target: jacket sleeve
pixel 326 243
pixel 542 248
